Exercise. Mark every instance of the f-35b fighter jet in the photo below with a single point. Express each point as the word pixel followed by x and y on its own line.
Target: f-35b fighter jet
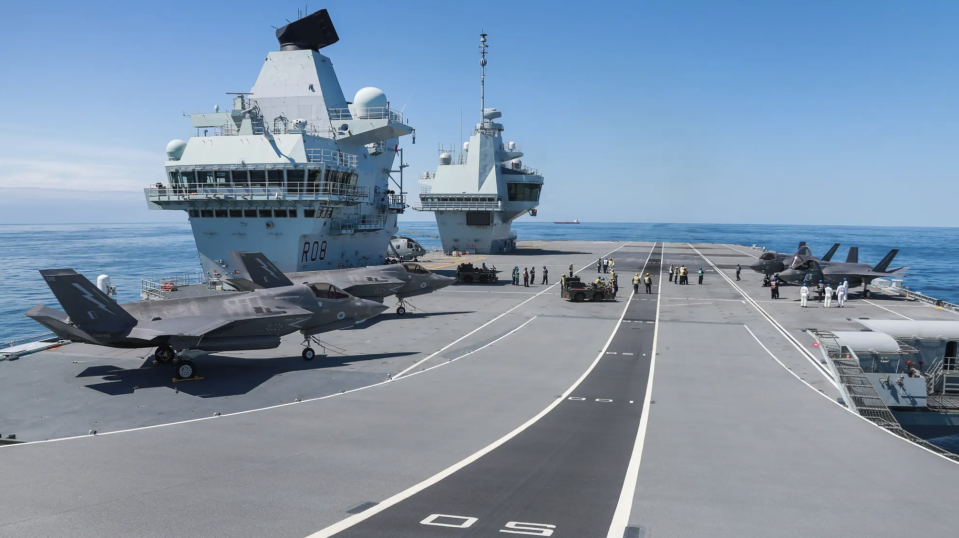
pixel 771 262
pixel 812 271
pixel 375 283
pixel 187 327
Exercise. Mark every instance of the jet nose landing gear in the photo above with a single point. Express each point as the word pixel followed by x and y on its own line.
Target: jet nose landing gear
pixel 308 352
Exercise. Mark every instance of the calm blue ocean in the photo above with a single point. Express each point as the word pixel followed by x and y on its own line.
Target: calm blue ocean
pixel 130 252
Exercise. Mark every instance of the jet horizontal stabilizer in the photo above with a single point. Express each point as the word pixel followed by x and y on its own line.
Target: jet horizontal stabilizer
pixel 258 269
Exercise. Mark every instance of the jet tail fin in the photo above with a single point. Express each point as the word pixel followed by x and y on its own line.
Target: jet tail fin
pixel 828 255
pixel 884 264
pixel 86 305
pixel 802 244
pixel 853 256
pixel 257 268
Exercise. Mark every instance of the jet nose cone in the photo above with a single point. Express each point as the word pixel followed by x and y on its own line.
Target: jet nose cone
pixel 756 266
pixel 440 281
pixel 368 309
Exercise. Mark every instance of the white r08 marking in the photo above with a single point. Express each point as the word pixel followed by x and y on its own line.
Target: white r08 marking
pixel 533 529
pixel 467 521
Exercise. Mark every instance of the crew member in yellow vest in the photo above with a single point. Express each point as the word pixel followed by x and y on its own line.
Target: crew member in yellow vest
pixel 636 283
pixel 649 283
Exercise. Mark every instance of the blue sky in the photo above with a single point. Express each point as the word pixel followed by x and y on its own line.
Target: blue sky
pixel 673 111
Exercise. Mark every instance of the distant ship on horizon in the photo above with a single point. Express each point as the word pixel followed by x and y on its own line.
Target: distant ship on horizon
pixel 574 221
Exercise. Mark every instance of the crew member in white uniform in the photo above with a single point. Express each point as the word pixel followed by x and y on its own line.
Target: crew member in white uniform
pixel 828 298
pixel 803 295
pixel 841 295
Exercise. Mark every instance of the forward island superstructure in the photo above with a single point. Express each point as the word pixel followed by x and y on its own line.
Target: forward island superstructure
pixel 294 170
pixel 477 197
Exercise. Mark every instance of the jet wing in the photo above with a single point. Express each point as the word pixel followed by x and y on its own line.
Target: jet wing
pixel 182 326
pixel 198 326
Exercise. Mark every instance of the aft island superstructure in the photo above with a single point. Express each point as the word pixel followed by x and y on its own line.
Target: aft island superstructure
pixel 294 170
pixel 477 197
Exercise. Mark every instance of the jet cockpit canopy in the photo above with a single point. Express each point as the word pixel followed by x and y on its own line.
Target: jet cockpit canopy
pixel 327 291
pixel 416 268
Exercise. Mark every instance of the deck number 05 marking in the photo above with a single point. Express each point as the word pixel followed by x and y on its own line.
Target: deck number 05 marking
pixel 512 527
pixel 312 251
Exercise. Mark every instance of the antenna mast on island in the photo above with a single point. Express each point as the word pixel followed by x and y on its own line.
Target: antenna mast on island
pixel 482 77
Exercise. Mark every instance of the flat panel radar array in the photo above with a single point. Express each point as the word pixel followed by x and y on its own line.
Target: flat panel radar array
pixel 312 32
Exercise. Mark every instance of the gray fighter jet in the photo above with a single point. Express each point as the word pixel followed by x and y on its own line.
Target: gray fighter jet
pixel 811 271
pixel 771 262
pixel 375 283
pixel 185 328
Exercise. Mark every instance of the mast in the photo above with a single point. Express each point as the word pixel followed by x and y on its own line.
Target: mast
pixel 482 77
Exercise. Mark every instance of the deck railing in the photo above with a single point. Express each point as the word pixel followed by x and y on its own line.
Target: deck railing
pixel 185 192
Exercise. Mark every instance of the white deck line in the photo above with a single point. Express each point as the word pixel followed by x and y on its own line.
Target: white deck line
pixel 888 310
pixel 772 321
pixel 344 524
pixel 225 415
pixel 625 504
pixel 488 323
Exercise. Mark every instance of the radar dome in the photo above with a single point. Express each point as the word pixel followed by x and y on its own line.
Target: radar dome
pixel 445 158
pixel 174 150
pixel 370 102
pixel 466 146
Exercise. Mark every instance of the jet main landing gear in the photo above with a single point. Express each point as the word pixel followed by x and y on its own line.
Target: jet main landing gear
pixel 308 352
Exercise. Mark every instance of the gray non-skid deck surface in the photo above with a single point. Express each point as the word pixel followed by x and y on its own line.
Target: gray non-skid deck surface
pixel 736 446
pixel 293 470
pixel 566 470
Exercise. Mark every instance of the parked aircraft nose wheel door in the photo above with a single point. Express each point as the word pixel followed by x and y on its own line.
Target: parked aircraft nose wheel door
pixel 308 354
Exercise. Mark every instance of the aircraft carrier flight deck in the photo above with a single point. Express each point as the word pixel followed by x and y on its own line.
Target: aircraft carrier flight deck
pixel 696 410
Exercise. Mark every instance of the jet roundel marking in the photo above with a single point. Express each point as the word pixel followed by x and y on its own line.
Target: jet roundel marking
pixel 340 315
pixel 422 284
pixel 319 303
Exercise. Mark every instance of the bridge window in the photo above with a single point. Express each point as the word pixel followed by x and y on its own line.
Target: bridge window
pixel 236 213
pixel 309 213
pixel 204 176
pixel 266 213
pixel 249 213
pixel 295 179
pixel 523 192
pixel 275 178
pixel 206 213
pixel 194 213
pixel 279 213
pixel 222 176
pixel 220 213
pixel 258 178
pixel 241 178
pixel 187 177
pixel 291 213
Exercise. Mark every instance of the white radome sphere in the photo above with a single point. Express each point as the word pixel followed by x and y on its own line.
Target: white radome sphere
pixel 174 150
pixel 369 98
pixel 445 158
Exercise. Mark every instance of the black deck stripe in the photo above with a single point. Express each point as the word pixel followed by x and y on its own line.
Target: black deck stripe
pixel 566 470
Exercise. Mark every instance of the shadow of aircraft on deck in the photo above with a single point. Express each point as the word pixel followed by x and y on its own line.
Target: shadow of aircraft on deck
pixel 411 313
pixel 223 375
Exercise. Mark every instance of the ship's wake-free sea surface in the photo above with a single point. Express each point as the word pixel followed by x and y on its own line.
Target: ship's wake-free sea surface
pixel 129 252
